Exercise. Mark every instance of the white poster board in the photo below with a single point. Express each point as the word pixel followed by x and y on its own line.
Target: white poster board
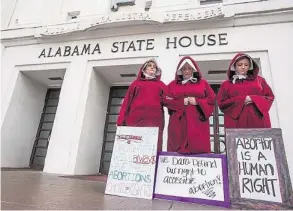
pixel 258 174
pixel 133 162
pixel 258 171
pixel 193 178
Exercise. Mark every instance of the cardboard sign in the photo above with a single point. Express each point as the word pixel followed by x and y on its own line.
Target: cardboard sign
pixel 132 168
pixel 257 166
pixel 201 178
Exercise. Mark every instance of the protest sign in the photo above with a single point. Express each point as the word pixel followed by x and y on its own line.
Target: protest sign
pixel 201 178
pixel 258 170
pixel 132 168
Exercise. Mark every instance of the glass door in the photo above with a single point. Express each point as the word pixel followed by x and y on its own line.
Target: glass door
pixel 217 129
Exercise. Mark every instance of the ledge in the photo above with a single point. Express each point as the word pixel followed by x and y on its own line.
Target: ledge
pixel 228 18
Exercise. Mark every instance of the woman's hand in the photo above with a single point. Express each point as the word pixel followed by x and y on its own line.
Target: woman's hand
pixel 247 100
pixel 192 101
pixel 186 101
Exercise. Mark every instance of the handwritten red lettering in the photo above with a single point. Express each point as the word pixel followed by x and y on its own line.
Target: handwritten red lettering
pixel 130 138
pixel 145 159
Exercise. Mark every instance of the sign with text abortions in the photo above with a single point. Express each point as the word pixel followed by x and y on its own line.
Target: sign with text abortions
pixel 201 178
pixel 133 162
pixel 258 168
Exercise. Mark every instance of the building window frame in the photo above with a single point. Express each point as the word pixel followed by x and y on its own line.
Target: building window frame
pixel 209 2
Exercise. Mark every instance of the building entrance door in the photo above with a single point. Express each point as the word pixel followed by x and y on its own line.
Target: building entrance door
pixel 39 151
pixel 116 97
pixel 117 94
pixel 217 129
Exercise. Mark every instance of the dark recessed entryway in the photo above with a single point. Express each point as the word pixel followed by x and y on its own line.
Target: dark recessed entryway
pixel 117 94
pixel 42 139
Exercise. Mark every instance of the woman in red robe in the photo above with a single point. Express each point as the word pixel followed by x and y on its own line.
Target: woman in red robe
pixel 189 131
pixel 144 101
pixel 245 98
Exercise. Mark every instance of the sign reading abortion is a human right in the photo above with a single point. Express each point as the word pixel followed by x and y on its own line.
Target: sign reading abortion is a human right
pixel 258 170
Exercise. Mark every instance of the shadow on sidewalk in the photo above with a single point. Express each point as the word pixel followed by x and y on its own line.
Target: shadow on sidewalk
pixel 97 177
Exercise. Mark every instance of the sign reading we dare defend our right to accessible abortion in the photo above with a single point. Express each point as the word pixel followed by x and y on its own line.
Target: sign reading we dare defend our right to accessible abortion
pixel 200 178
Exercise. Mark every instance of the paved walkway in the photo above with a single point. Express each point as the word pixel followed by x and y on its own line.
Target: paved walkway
pixel 33 190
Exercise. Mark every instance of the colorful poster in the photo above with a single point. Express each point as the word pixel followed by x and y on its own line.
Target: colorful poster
pixel 133 162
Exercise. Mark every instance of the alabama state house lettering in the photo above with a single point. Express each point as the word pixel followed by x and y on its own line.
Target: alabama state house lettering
pixel 171 42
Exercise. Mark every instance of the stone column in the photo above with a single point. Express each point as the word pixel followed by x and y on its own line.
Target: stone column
pixel 63 146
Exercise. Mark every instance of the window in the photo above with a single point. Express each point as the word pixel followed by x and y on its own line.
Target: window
pixel 204 2
pixel 85 7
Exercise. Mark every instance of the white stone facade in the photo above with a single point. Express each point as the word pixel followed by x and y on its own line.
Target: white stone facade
pixel 40 39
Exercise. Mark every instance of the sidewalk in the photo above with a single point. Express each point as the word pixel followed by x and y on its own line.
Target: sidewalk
pixel 34 190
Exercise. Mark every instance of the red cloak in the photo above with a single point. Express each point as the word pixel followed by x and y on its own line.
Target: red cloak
pixel 231 99
pixel 189 131
pixel 143 104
